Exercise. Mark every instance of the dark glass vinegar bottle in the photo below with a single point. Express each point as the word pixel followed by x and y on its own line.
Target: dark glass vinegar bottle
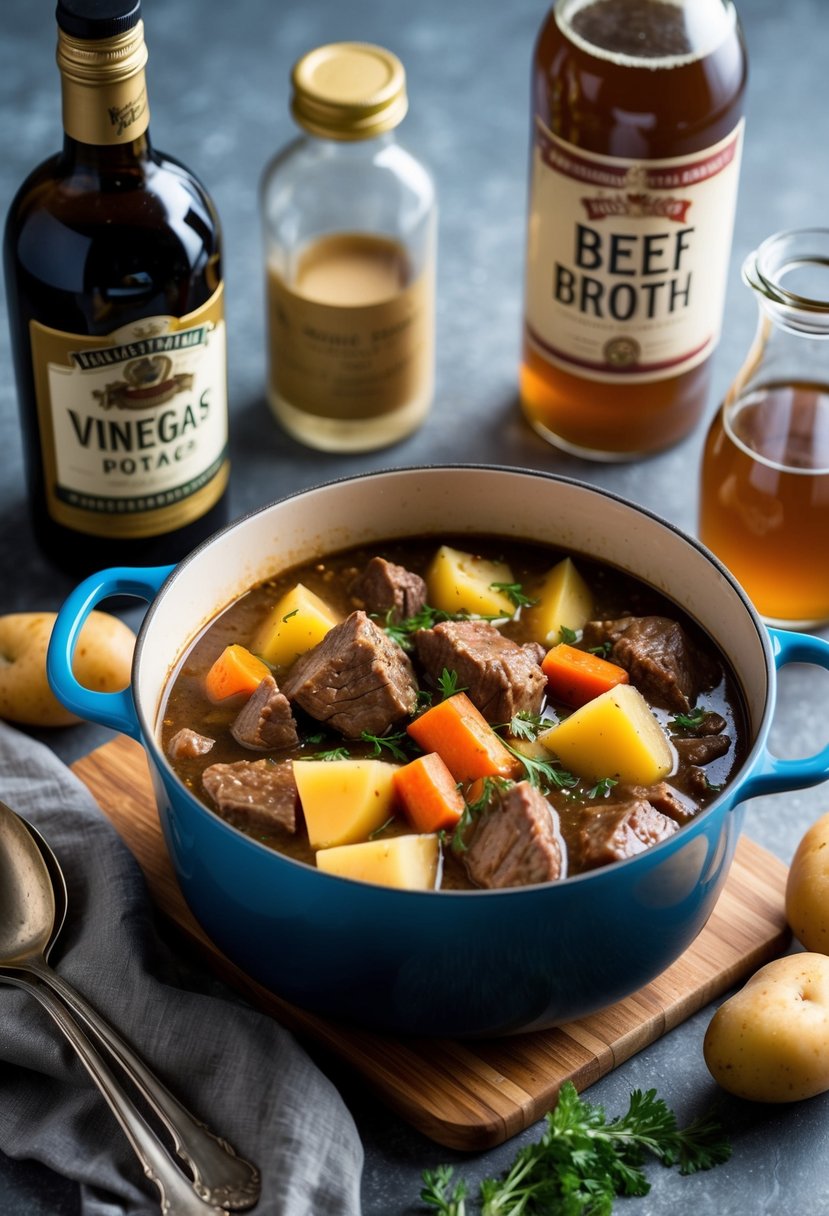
pixel 112 257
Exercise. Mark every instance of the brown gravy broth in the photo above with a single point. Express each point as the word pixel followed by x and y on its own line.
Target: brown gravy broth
pixel 615 594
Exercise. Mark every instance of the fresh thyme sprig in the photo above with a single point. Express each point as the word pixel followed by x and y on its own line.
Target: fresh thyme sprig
pixel 582 1161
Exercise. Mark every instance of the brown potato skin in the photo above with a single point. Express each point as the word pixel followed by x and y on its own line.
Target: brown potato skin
pixel 103 662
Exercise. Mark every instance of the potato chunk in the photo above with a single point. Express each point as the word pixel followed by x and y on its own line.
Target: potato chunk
pixel 614 735
pixel 461 582
pixel 298 621
pixel 344 801
pixel 564 601
pixel 410 862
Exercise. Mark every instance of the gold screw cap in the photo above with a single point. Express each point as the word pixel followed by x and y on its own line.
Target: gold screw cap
pixel 348 90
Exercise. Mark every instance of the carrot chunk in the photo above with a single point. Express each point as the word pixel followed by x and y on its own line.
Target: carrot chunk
pixel 462 737
pixel 235 671
pixel 428 793
pixel 576 676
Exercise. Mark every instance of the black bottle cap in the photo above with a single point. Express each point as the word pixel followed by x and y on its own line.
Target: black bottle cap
pixel 97 18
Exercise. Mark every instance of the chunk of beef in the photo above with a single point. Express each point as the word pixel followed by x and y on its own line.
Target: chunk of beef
pixel 696 782
pixel 660 658
pixel 265 722
pixel 664 797
pixel 186 744
pixel 516 841
pixel 499 676
pixel 254 794
pixel 356 679
pixel 703 750
pixel 621 830
pixel 385 588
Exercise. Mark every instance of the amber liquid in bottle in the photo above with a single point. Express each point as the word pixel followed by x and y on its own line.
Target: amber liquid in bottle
pixel 764 498
pixel 616 104
pixel 99 238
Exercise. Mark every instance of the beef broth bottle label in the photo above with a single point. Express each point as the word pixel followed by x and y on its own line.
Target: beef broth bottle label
pixel 134 427
pixel 627 260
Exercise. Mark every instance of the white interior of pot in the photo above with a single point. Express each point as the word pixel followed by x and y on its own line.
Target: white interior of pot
pixel 443 501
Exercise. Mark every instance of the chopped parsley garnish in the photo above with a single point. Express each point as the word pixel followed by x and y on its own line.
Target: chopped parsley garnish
pixel 525 725
pixel 490 788
pixel 514 592
pixel 402 631
pixel 544 775
pixel 602 650
pixel 568 635
pixel 602 787
pixel 691 721
pixel 335 753
pixel 448 684
pixel 390 742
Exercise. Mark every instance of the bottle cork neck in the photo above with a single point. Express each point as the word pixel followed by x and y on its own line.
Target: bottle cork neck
pixel 103 84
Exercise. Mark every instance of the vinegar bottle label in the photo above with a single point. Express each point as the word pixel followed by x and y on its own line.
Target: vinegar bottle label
pixel 134 426
pixel 627 260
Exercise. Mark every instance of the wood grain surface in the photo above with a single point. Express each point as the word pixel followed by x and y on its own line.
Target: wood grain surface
pixel 472 1095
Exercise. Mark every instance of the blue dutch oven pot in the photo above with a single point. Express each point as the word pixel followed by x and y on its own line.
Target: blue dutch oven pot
pixel 454 963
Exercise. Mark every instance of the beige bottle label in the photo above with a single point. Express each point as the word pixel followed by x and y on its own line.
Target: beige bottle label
pixel 134 426
pixel 348 361
pixel 627 260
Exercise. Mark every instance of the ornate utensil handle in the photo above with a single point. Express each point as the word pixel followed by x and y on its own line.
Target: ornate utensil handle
pixel 220 1176
pixel 177 1196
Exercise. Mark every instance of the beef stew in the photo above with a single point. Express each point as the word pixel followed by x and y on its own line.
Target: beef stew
pixel 338 662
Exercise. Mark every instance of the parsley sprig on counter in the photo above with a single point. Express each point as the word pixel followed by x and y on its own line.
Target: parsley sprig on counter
pixel 582 1161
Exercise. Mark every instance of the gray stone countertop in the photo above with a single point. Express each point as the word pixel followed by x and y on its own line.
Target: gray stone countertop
pixel 218 81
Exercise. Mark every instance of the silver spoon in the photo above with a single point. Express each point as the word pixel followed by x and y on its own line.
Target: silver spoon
pixel 33 904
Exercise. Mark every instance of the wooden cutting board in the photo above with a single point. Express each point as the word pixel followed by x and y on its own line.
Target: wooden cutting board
pixel 472 1095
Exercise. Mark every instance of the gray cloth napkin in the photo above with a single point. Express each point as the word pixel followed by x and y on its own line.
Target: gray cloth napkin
pixel 235 1068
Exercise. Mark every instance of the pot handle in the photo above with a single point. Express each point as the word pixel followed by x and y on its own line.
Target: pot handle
pixel 113 709
pixel 773 774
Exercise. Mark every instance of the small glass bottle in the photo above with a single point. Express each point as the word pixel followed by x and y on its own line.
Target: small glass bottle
pixel 764 492
pixel 113 270
pixel 349 223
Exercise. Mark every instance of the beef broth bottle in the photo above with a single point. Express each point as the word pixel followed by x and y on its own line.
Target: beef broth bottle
pixel 113 278
pixel 637 128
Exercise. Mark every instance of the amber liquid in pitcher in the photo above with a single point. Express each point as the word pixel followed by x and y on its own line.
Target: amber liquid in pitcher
pixel 616 103
pixel 764 499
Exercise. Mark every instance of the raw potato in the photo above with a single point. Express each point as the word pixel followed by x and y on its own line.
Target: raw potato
pixel 103 662
pixel 460 582
pixel 344 801
pixel 299 621
pixel 770 1041
pixel 807 889
pixel 564 601
pixel 614 735
pixel 407 862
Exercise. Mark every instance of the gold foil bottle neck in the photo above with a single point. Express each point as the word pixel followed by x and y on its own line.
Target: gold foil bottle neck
pixel 349 91
pixel 104 91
